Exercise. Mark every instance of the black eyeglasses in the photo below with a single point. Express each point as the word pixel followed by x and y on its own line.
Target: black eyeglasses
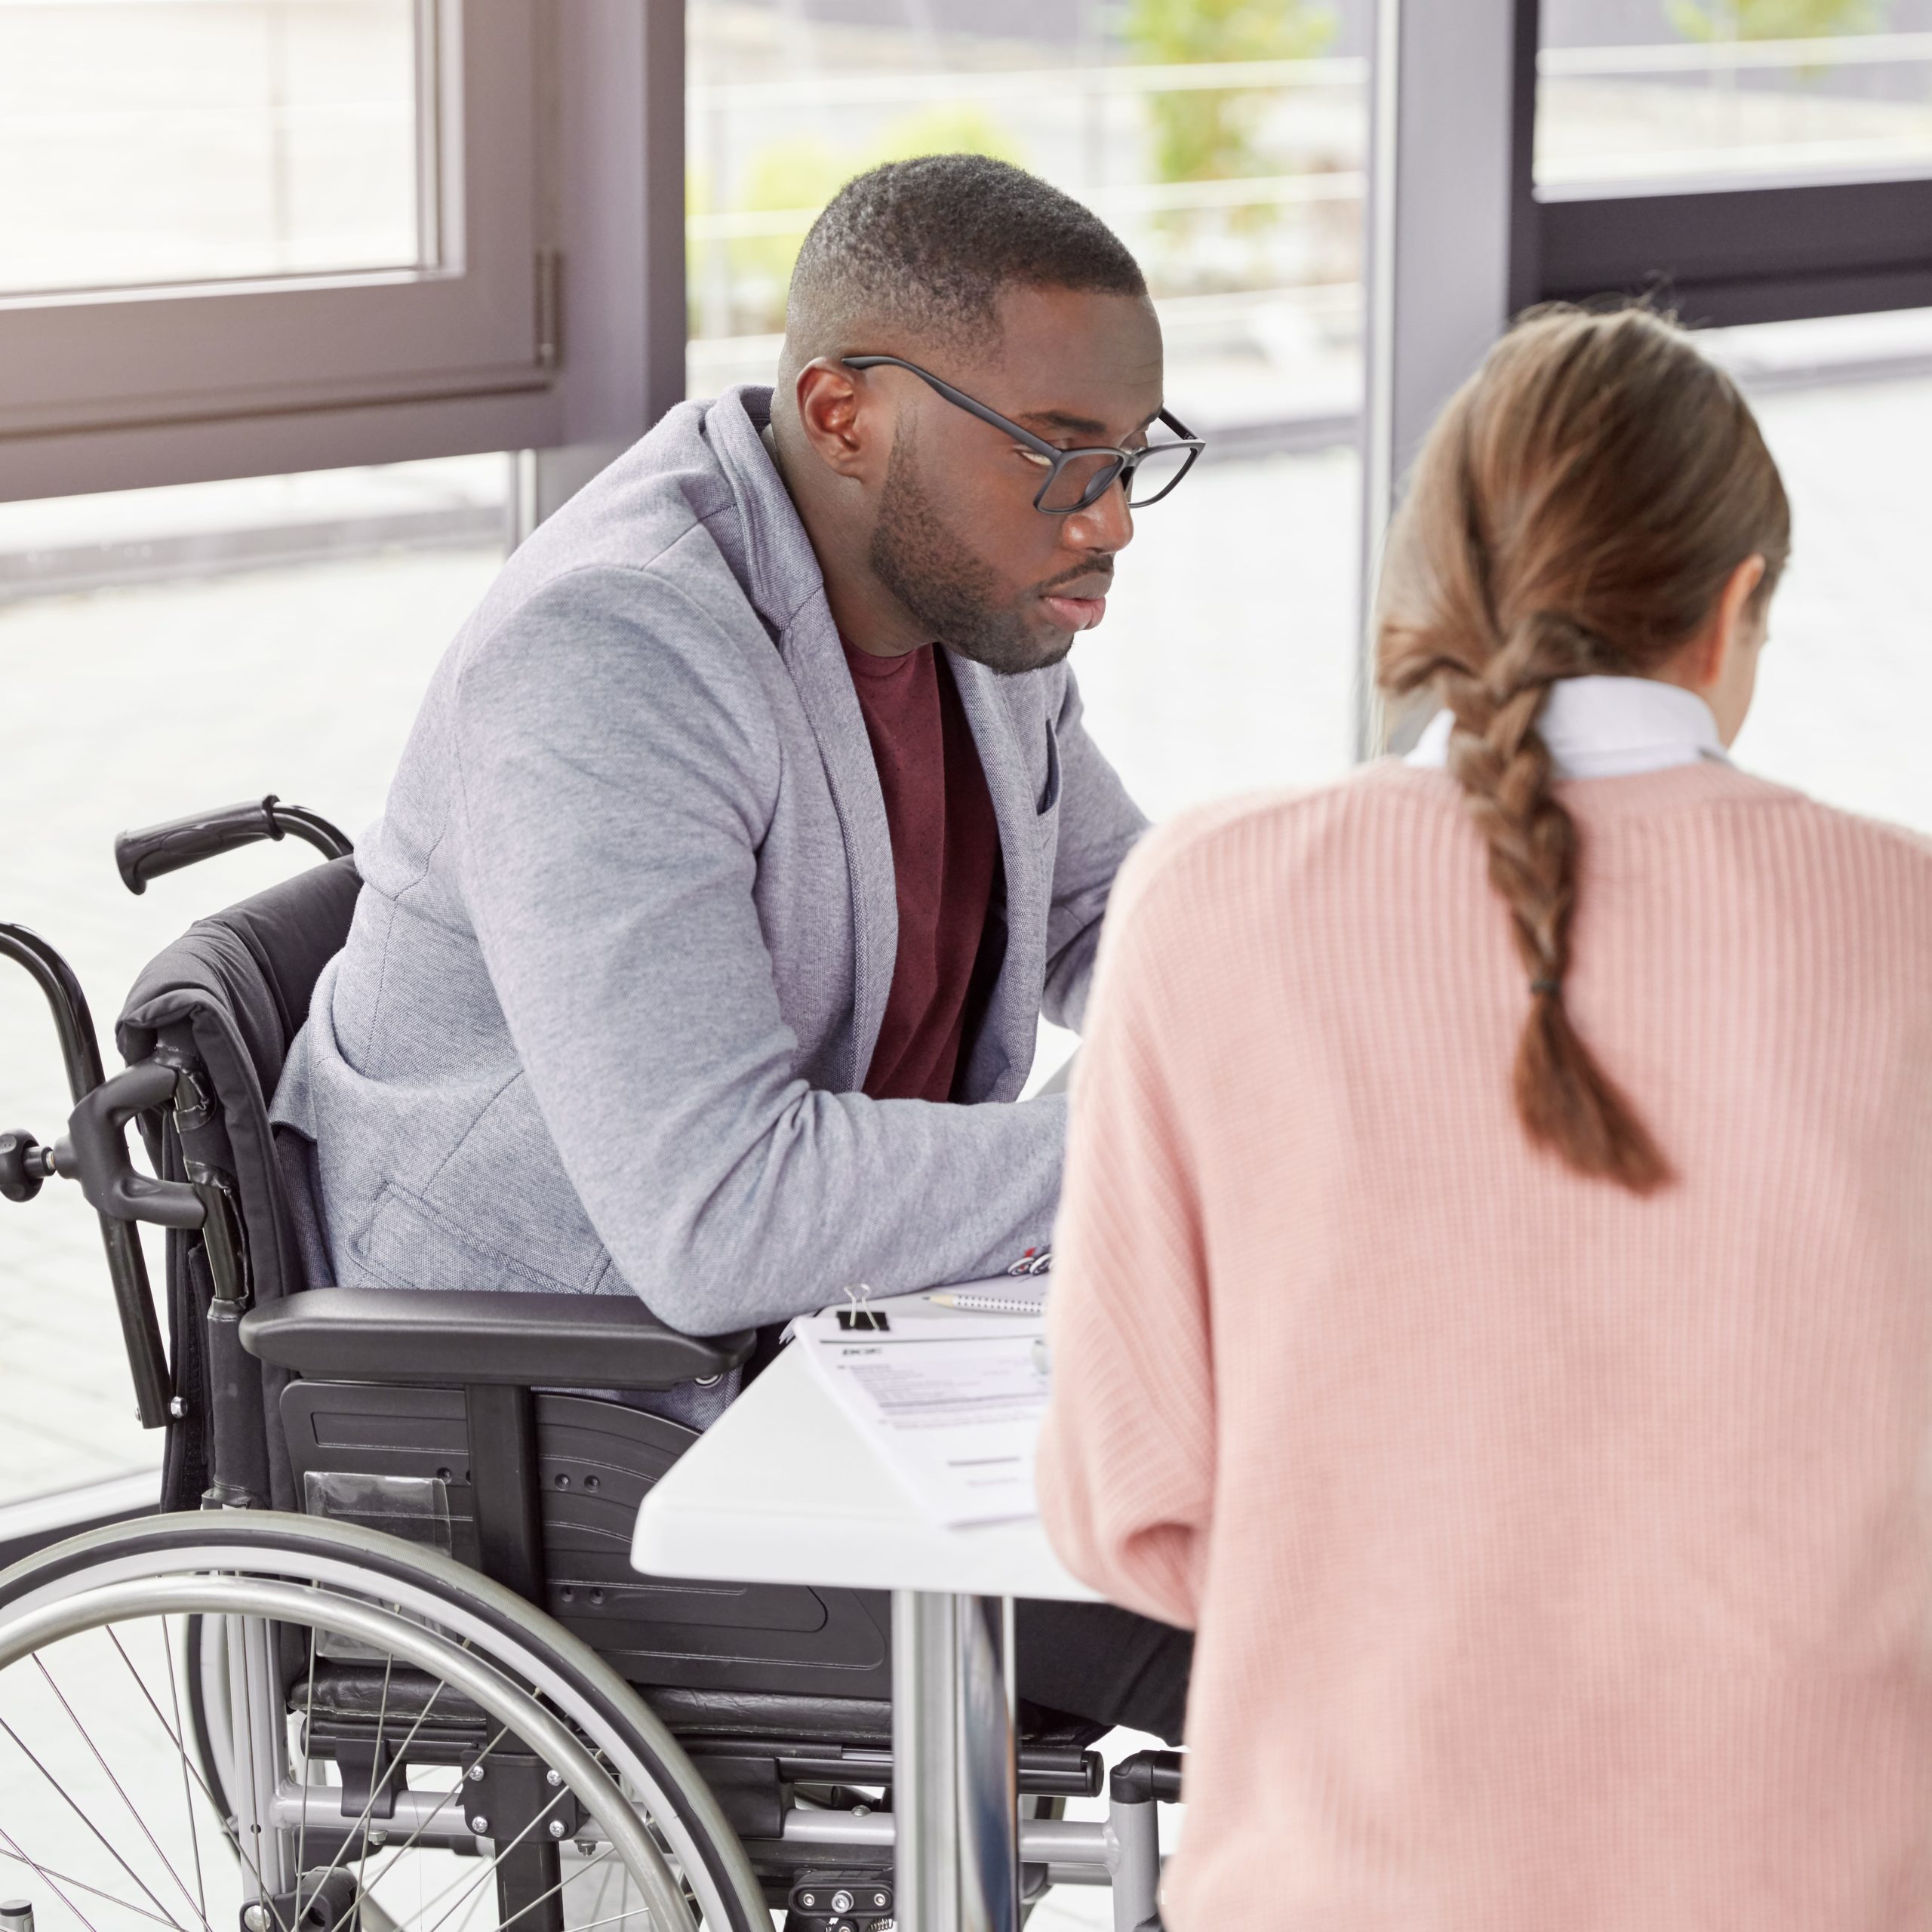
pixel 1076 479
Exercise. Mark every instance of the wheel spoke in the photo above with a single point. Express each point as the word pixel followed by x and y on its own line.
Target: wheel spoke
pixel 175 1737
pixel 55 1879
pixel 617 1917
pixel 502 1852
pixel 424 1908
pixel 190 1770
pixel 66 1797
pixel 362 1862
pixel 581 1872
pixel 359 1828
pixel 603 1886
pixel 121 1791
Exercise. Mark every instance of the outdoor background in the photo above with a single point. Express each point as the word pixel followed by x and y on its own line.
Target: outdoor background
pixel 165 650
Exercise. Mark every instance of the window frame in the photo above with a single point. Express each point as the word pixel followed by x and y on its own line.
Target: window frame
pixel 118 387
pixel 1720 257
pixel 606 173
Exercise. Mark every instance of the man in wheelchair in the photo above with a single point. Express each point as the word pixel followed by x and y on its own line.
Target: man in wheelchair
pixel 751 823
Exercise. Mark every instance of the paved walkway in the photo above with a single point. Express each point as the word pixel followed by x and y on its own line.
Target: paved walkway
pixel 123 707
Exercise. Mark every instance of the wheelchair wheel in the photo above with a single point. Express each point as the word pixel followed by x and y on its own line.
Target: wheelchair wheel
pixel 347 1713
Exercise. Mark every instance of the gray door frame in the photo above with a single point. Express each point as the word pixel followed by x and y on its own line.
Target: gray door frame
pixel 1445 123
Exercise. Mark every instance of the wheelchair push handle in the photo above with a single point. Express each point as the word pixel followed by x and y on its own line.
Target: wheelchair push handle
pixel 155 849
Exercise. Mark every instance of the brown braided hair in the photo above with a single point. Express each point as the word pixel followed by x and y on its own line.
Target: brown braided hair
pixel 1578 509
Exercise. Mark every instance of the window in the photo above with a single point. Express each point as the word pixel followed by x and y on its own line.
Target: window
pixel 1845 405
pixel 1766 166
pixel 242 142
pixel 127 705
pixel 216 211
pixel 1751 160
pixel 1729 92
pixel 1226 147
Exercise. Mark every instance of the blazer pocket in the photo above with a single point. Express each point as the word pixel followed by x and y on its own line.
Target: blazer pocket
pixel 407 1243
pixel 537 1221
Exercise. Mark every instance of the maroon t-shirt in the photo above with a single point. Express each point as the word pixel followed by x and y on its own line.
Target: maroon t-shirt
pixel 944 858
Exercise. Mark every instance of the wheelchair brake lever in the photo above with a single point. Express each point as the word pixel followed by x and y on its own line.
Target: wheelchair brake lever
pixel 95 1152
pixel 97 1128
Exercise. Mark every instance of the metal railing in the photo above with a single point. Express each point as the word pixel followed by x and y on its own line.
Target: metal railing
pixel 1724 56
pixel 1076 89
pixel 1078 93
pixel 1145 197
pixel 1070 84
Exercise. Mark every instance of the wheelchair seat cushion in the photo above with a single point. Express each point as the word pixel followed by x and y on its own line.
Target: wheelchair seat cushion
pixel 766 1715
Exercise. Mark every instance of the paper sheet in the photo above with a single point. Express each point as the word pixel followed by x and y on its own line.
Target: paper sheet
pixel 954 1408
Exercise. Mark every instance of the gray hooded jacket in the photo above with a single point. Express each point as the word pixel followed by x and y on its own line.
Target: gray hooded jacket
pixel 628 926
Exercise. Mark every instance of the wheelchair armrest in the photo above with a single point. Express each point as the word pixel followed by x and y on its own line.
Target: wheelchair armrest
pixel 450 1336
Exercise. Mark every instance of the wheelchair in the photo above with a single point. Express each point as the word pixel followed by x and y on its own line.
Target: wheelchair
pixel 381 1660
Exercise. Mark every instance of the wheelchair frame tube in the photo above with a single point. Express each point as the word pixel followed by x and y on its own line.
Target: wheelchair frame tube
pixel 954 1786
pixel 126 1269
pixel 80 1052
pixel 1078 1851
pixel 258 1737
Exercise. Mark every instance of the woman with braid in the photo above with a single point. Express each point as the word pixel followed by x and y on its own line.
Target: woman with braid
pixel 1494 1302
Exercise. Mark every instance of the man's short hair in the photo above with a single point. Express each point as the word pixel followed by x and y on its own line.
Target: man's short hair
pixel 926 246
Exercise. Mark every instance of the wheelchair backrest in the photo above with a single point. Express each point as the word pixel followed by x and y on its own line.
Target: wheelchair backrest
pixel 225 1002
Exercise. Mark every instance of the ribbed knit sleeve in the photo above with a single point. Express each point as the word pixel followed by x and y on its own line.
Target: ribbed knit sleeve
pixel 1126 1459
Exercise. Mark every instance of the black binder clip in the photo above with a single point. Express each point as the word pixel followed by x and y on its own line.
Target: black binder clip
pixel 860 1317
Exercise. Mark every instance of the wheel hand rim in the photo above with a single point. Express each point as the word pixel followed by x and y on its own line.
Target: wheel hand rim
pixel 288 1603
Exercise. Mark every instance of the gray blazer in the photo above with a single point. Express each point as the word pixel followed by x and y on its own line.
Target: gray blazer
pixel 628 926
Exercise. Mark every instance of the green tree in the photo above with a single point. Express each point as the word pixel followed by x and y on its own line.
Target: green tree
pixel 1770 19
pixel 796 177
pixel 960 128
pixel 1207 135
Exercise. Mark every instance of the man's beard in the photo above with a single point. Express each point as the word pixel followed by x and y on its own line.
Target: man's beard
pixel 952 593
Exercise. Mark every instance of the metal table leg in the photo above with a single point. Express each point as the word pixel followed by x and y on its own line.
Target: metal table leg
pixel 954 1795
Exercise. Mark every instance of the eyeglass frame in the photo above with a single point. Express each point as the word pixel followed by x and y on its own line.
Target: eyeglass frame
pixel 1126 462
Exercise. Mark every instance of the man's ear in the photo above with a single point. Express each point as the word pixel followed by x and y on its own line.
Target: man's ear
pixel 841 422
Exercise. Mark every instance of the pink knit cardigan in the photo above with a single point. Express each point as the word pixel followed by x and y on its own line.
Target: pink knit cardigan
pixel 1561 1561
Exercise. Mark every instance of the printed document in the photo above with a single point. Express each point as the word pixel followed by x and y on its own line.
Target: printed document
pixel 954 1406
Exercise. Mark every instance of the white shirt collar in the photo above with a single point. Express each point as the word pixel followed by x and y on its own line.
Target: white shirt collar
pixel 1606 728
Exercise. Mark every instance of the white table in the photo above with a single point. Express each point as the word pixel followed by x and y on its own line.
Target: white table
pixel 729 1508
